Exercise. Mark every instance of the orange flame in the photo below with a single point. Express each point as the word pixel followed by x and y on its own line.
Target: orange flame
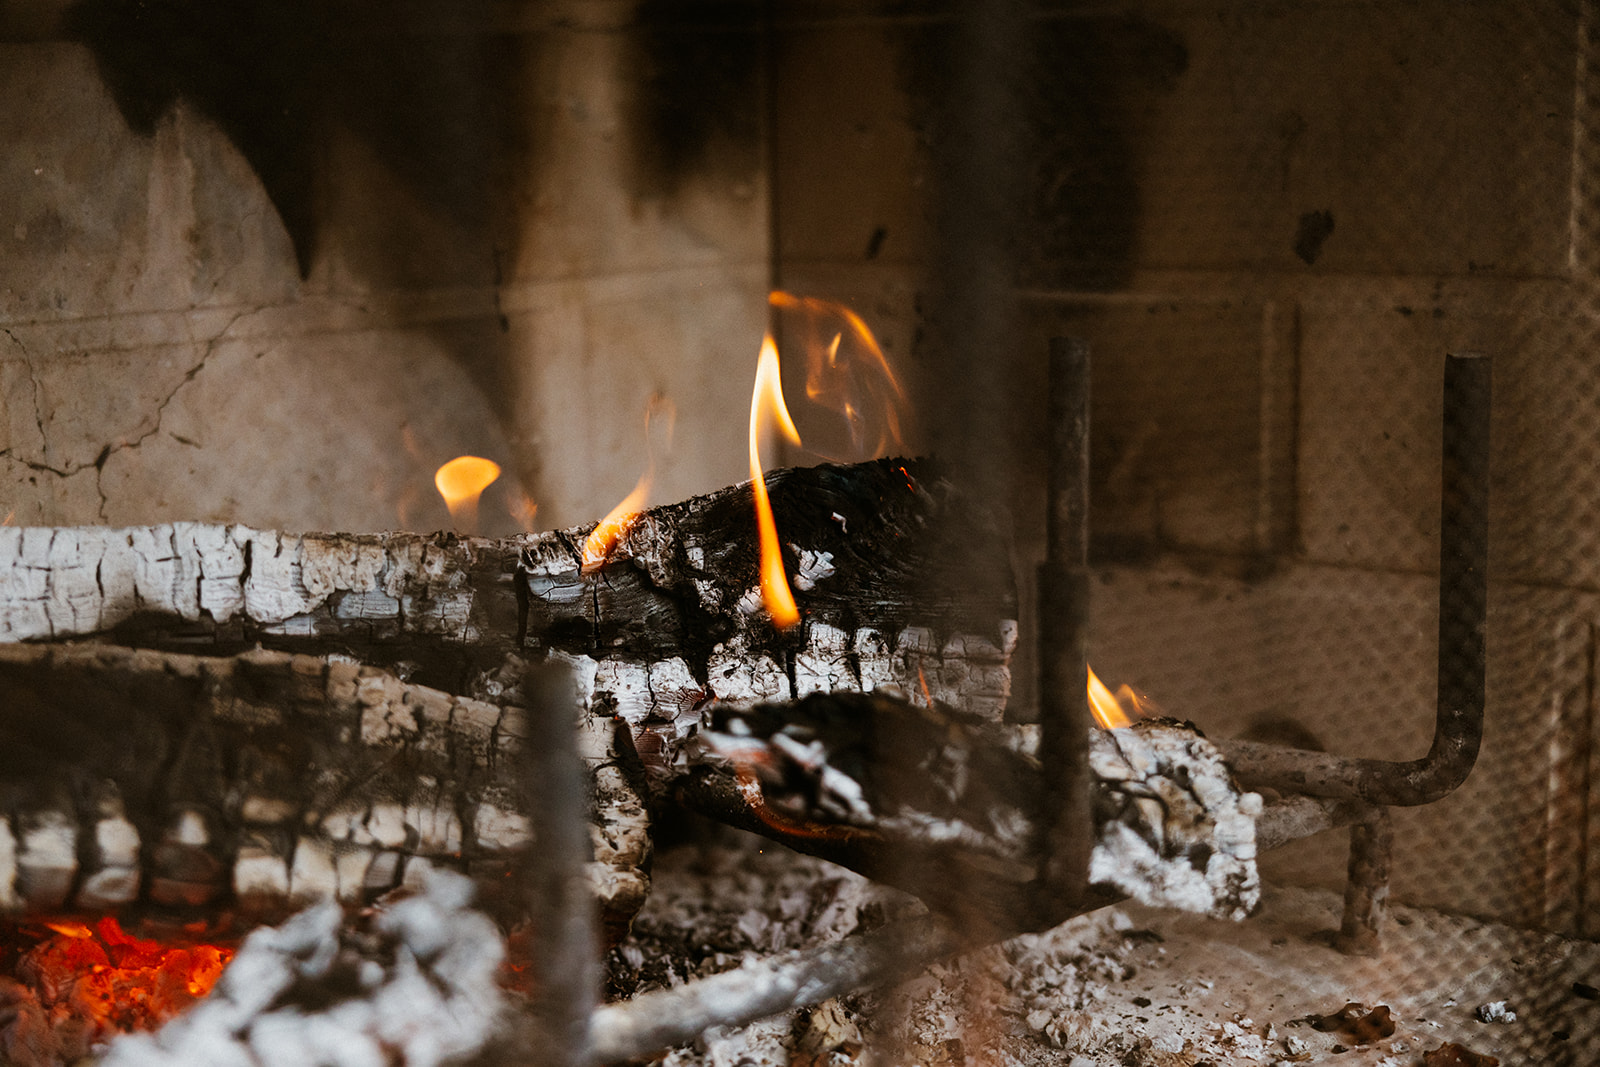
pixel 525 510
pixel 461 482
pixel 847 373
pixel 1118 710
pixel 767 408
pixel 602 541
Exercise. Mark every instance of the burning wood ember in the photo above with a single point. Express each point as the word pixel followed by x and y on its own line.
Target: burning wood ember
pixel 340 782
pixel 76 986
pixel 1173 830
pixel 413 984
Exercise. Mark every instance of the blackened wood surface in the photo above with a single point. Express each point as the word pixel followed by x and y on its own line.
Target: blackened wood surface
pixel 267 780
pixel 867 547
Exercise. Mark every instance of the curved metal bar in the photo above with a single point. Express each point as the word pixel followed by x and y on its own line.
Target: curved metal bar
pixel 1463 608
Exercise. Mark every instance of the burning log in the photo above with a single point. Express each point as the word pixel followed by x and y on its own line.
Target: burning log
pixel 909 794
pixel 865 544
pixel 669 622
pixel 265 781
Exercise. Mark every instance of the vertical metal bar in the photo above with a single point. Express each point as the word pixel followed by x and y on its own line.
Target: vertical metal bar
pixel 1463 617
pixel 1366 887
pixel 1064 723
pixel 559 900
pixel 1463 573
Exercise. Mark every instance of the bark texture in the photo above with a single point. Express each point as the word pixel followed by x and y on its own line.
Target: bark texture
pixel 267 780
pixel 945 805
pixel 268 776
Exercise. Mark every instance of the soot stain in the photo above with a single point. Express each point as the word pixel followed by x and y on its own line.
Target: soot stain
pixel 695 99
pixel 1309 236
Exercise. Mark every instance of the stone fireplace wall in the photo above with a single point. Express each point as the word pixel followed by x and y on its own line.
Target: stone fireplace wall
pixel 1271 221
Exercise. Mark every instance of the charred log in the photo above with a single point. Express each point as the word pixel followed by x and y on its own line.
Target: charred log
pixel 864 545
pixel 265 781
pixel 943 804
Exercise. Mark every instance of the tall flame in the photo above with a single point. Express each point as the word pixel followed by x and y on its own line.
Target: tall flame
pixel 602 540
pixel 1113 711
pixel 846 372
pixel 767 407
pixel 461 482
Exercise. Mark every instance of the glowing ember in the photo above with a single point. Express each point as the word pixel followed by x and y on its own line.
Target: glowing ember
pixel 767 408
pixel 847 374
pixel 602 541
pixel 461 482
pixel 111 980
pixel 1116 710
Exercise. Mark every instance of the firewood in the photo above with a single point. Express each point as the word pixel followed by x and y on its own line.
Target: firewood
pixel 867 547
pixel 861 778
pixel 266 780
pixel 669 623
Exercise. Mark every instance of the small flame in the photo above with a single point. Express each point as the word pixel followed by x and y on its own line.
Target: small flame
pixel 1113 711
pixel 525 510
pixel 9 516
pixel 767 408
pixel 847 373
pixel 602 541
pixel 461 482
pixel 73 930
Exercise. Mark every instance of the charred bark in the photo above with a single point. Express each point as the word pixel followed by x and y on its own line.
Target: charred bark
pixel 251 776
pixel 944 805
pixel 863 545
pixel 265 781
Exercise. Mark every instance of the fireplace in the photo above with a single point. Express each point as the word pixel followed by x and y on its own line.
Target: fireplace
pixel 275 268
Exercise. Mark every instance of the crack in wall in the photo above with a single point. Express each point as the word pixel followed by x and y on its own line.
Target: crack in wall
pixel 33 380
pixel 72 469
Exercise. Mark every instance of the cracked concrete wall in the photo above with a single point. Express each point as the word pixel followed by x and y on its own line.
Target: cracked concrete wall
pixel 160 358
pixel 163 357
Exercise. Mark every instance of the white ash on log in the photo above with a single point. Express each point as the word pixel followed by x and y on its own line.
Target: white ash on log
pixel 866 546
pixel 264 781
pixel 863 778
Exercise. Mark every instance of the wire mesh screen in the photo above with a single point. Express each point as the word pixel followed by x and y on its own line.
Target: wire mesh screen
pixel 1271 223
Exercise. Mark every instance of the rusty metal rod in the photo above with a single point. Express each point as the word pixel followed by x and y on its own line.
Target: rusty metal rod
pixel 1463 607
pixel 1066 825
pixel 1366 887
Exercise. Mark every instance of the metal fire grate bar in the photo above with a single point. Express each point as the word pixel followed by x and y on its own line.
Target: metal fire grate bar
pixel 1463 607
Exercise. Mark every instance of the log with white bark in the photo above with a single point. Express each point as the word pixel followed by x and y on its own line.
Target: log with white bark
pixel 675 607
pixel 268 780
pixel 945 805
pixel 669 622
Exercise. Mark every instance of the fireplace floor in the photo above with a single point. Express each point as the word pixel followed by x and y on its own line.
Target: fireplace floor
pixel 1123 986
